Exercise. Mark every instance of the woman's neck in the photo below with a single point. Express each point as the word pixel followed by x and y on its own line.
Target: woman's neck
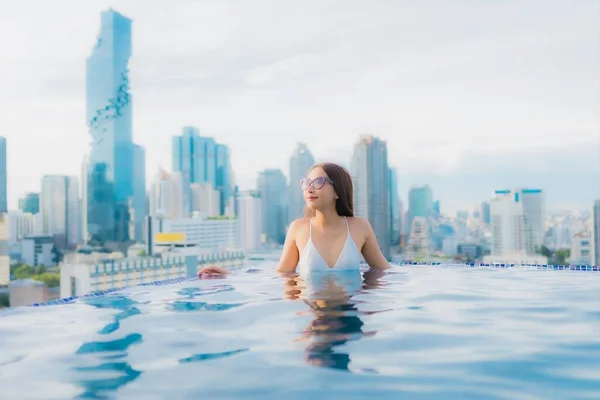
pixel 327 218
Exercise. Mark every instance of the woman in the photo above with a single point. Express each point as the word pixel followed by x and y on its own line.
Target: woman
pixel 329 237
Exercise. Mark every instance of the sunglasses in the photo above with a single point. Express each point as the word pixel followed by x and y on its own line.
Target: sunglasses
pixel 317 183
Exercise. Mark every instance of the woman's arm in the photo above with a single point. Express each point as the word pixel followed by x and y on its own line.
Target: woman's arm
pixel 289 256
pixel 370 250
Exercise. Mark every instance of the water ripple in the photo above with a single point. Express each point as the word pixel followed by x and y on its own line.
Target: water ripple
pixel 419 333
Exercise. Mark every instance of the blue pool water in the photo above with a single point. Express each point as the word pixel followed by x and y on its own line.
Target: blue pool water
pixel 417 332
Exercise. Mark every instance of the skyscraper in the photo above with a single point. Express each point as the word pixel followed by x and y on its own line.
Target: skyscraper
pixel 139 191
pixel 249 206
pixel 534 206
pixel 3 184
pixel 108 112
pixel 534 209
pixel 168 195
pixel 485 213
pixel 395 208
pixel 300 162
pixel 420 204
pixel 370 174
pixel 272 187
pixel 511 232
pixel 203 160
pixel 59 207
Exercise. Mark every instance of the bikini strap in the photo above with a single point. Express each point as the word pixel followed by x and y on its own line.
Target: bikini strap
pixel 347 227
pixel 310 228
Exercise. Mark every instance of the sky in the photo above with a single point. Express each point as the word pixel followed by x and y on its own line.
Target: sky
pixel 469 96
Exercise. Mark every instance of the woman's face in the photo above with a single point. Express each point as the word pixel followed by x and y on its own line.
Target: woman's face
pixel 318 190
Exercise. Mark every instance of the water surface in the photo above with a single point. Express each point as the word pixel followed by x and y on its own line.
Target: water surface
pixel 416 332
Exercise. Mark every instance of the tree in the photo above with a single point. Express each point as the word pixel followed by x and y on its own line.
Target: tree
pixel 546 252
pixel 562 255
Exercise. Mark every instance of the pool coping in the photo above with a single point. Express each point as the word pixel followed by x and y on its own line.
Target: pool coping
pixel 546 267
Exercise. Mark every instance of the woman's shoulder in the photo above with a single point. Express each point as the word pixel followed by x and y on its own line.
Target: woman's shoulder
pixel 299 224
pixel 359 223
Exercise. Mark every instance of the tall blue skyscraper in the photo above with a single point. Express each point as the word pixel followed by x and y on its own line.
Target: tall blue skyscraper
pixel 370 175
pixel 108 110
pixel 203 160
pixel 3 184
pixel 420 204
pixel 395 208
pixel 300 162
pixel 272 187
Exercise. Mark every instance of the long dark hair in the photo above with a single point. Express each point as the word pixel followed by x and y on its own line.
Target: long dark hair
pixel 342 184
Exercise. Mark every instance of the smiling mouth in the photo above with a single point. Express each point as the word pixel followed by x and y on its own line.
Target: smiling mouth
pixel 311 198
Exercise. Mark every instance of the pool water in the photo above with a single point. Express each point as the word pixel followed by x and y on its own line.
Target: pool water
pixel 415 332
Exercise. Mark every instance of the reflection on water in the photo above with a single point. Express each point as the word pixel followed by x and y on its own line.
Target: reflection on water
pixel 336 319
pixel 110 374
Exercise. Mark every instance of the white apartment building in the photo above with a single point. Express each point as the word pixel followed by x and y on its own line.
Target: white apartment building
pixel 20 224
pixel 37 250
pixel 249 216
pixel 169 195
pixel 534 208
pixel 511 233
pixel 581 249
pixel 212 233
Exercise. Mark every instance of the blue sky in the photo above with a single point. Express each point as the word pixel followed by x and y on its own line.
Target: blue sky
pixel 460 90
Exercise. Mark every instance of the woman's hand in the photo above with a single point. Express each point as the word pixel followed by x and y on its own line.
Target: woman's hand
pixel 212 272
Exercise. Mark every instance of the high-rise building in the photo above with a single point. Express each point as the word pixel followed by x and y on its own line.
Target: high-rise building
pixel 205 199
pixel 3 182
pixel 139 191
pixel 4 255
pixel 596 233
pixel 249 206
pixel 370 173
pixel 203 160
pixel 20 224
pixel 511 232
pixel 84 200
pixel 30 203
pixel 420 204
pixel 534 209
pixel 300 162
pixel 272 187
pixel 485 213
pixel 109 117
pixel 59 207
pixel 395 208
pixel 168 196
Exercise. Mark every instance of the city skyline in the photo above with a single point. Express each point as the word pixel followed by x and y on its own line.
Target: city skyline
pixel 232 80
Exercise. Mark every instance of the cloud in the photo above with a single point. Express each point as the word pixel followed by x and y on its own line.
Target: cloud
pixel 440 82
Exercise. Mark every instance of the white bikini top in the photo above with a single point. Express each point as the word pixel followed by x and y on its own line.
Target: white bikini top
pixel 311 261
